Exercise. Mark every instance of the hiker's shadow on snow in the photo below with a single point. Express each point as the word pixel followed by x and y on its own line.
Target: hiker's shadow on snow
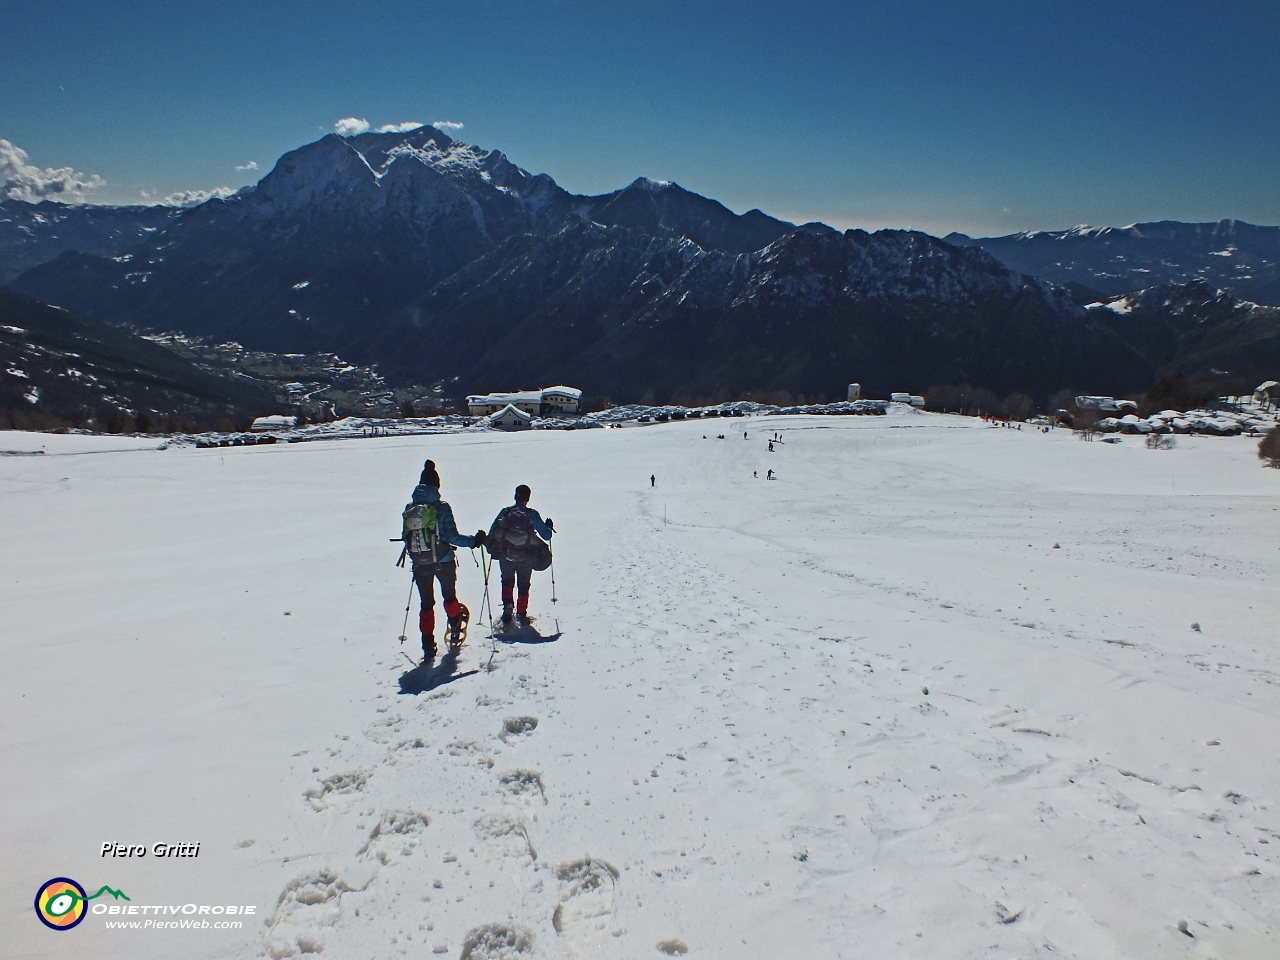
pixel 429 675
pixel 527 634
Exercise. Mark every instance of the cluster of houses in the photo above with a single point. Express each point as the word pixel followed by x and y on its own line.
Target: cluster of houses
pixel 1249 417
pixel 516 411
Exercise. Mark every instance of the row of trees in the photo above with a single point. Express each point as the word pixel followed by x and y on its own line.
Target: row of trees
pixel 979 401
pixel 109 419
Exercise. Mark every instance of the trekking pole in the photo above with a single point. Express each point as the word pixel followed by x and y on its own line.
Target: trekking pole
pixel 488 562
pixel 553 578
pixel 407 604
pixel 493 639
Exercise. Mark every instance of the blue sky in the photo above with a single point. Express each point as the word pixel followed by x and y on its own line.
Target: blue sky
pixel 986 117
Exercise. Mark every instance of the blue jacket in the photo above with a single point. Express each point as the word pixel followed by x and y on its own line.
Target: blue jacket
pixel 446 527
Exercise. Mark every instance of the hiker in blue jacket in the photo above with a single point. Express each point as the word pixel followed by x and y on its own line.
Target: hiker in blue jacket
pixel 430 545
pixel 519 538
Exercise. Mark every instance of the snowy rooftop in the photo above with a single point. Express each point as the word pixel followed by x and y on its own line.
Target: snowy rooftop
pixel 525 396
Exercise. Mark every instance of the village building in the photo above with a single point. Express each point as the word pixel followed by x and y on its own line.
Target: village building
pixel 276 422
pixel 1106 404
pixel 544 402
pixel 511 417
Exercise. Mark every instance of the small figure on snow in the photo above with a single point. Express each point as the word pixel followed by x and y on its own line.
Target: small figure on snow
pixel 770 476
pixel 771 446
pixel 430 534
pixel 652 479
pixel 519 538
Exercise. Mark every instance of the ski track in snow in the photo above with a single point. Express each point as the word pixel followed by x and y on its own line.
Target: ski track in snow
pixel 933 693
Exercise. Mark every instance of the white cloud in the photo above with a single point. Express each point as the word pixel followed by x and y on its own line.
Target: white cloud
pixel 401 127
pixel 251 165
pixel 20 180
pixel 350 126
pixel 193 198
pixel 448 126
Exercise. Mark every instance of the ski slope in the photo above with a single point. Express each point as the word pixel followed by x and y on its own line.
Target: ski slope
pixel 933 693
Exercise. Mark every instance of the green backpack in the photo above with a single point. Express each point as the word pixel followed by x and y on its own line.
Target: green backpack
pixel 419 529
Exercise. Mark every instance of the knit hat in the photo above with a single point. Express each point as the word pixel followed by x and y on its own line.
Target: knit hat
pixel 429 476
pixel 523 493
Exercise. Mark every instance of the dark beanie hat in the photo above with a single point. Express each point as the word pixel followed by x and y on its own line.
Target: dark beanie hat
pixel 429 475
pixel 523 493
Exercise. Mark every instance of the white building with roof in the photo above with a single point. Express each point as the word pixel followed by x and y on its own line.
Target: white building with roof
pixel 511 418
pixel 276 422
pixel 549 400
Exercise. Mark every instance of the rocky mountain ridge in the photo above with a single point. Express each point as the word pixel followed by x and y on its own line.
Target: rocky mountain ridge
pixel 444 263
pixel 34 233
pixel 1240 258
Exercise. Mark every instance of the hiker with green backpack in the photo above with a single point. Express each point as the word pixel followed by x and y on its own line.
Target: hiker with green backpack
pixel 430 534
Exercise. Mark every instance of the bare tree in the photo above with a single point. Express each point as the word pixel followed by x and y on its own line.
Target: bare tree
pixel 1018 406
pixel 942 397
pixel 1085 423
pixel 982 402
pixel 1269 448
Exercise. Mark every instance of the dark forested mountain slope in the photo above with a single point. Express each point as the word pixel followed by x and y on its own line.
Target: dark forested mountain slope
pixel 73 368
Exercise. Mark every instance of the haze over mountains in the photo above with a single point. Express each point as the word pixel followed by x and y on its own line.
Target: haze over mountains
pixel 442 262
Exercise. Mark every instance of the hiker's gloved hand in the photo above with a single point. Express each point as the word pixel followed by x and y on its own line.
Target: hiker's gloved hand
pixel 551 525
pixel 480 538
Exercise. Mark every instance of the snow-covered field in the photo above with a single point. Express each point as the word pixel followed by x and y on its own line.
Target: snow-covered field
pixel 933 693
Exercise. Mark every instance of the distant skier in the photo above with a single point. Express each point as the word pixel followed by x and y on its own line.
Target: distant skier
pixel 652 479
pixel 770 476
pixel 519 538
pixel 430 534
pixel 771 446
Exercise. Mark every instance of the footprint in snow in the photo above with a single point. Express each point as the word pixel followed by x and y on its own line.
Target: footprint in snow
pixel 517 726
pixel 504 840
pixel 469 748
pixel 588 901
pixel 322 795
pixel 396 832
pixel 497 941
pixel 523 785
pixel 306 913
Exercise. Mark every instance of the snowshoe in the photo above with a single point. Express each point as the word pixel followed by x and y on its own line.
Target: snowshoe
pixel 524 620
pixel 458 627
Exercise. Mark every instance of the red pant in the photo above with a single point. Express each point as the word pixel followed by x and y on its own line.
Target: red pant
pixel 514 571
pixel 425 576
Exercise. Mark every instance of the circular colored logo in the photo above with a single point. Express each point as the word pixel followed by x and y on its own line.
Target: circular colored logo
pixel 60 904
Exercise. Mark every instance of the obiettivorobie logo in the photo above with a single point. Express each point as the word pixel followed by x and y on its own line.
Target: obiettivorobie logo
pixel 61 902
